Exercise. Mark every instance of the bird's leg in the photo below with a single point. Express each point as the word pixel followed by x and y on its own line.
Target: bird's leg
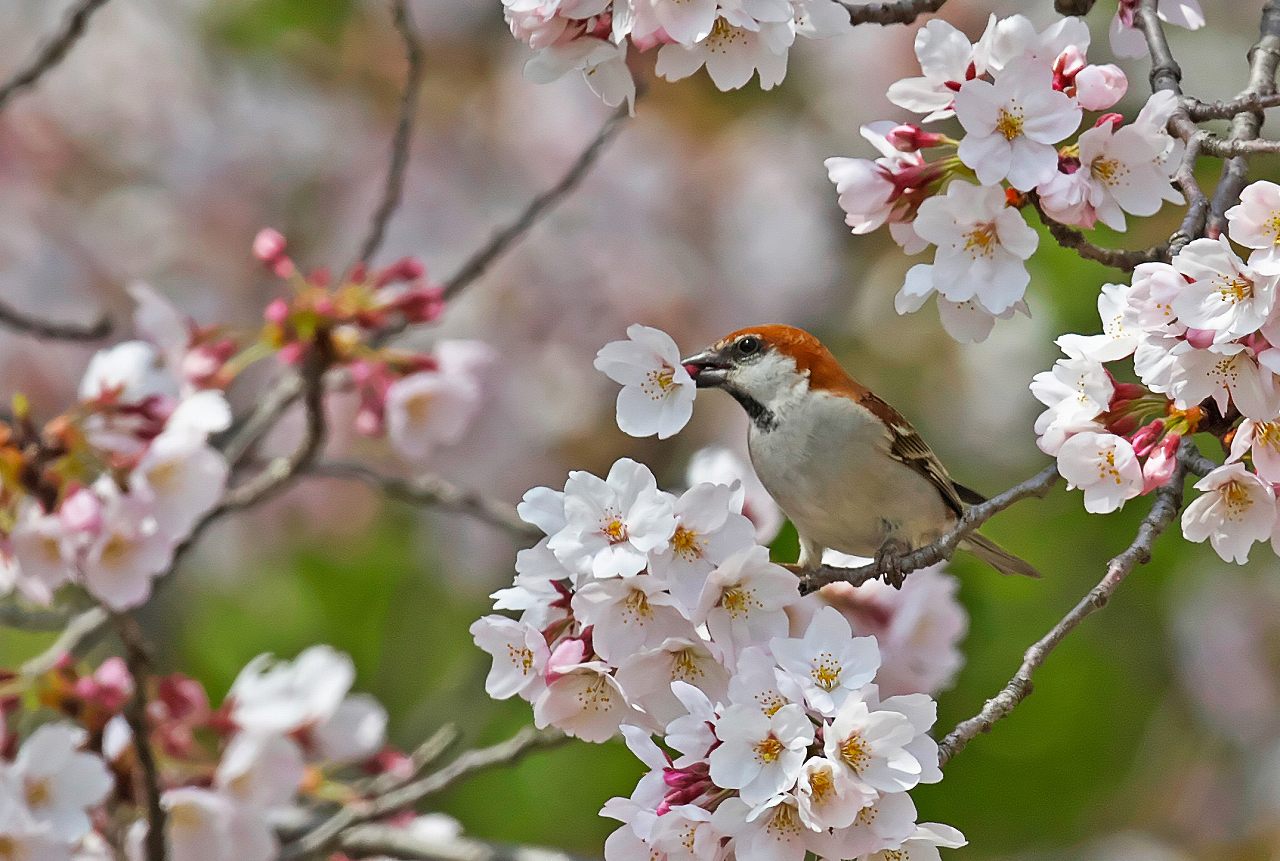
pixel 889 561
pixel 810 555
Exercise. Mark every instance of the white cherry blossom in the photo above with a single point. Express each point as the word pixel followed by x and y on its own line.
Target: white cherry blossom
pixel 1015 37
pixel 826 797
pixel 982 243
pixel 1012 124
pixel 1261 441
pixel 430 409
pixel 767 832
pixel 945 55
pixel 757 682
pixel 691 733
pixel 519 656
pixel 828 663
pixel 1255 223
pixel 760 755
pixel 59 781
pixel 1228 373
pixel 708 532
pixel 260 770
pixel 870 746
pixel 1075 391
pixel 685 833
pixel 1224 295
pixel 129 372
pixel 1104 466
pixel 584 702
pixel 204 825
pixel 613 524
pixel 1235 509
pixel 648 676
pixel 1127 39
pixel 183 477
pixel 743 600
pixel 657 392
pixel 923 844
pixel 355 731
pixel 1122 173
pixel 23 838
pixel 43 551
pixel 885 822
pixel 628 615
pixel 127 553
pixel 968 322
pixel 737 47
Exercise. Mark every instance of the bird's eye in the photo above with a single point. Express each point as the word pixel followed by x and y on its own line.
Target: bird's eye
pixel 748 345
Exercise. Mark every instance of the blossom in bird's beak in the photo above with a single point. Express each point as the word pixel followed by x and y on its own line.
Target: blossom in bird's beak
pixel 657 391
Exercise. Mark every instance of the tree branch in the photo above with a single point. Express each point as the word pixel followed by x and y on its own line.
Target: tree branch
pixel 52 52
pixel 329 832
pixel 430 490
pixel 1120 258
pixel 135 713
pixel 19 321
pixel 381 841
pixel 942 549
pixel 893 12
pixel 1226 109
pixel 501 241
pixel 1167 504
pixel 1246 125
pixel 394 187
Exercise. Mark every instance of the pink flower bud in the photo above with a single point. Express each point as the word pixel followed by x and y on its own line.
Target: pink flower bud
pixel 277 312
pixel 567 654
pixel 1146 437
pixel 184 698
pixel 911 138
pixel 1201 339
pixel 1100 87
pixel 81 512
pixel 269 245
pixel 1114 119
pixel 1159 467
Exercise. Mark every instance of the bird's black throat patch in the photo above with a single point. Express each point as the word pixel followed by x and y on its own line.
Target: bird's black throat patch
pixel 761 416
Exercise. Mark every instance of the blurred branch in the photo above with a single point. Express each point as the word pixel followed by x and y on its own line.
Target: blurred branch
pixel 1246 125
pixel 1069 237
pixel 370 841
pixel 394 188
pixel 430 490
pixel 15 319
pixel 1226 109
pixel 83 628
pixel 423 757
pixel 329 832
pixel 52 52
pixel 1167 504
pixel 34 618
pixel 894 12
pixel 942 549
pixel 501 241
pixel 135 713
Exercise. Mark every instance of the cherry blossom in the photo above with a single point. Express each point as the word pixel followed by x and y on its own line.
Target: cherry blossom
pixel 1104 466
pixel 59 781
pixel 870 746
pixel 1126 38
pixel 1011 125
pixel 967 322
pixel 182 477
pixel 585 702
pixel 772 832
pixel 825 796
pixel 923 844
pixel 649 676
pixel 946 59
pixel 743 600
pixel 260 770
pixel 718 465
pixel 519 656
pixel 760 755
pixel 1255 223
pixel 434 408
pixel 1076 392
pixel 128 551
pixel 628 615
pixel 707 533
pixel 884 822
pixel 204 825
pixel 1235 509
pixel 737 47
pixel 613 524
pixel 1228 373
pixel 1224 295
pixel 657 392
pixel 828 663
pixel 1261 441
pixel 982 244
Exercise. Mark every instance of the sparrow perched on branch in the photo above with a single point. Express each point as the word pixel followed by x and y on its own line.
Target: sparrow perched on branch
pixel 846 468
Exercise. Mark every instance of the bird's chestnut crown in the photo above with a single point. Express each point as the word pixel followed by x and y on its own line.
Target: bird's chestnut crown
pixel 768 362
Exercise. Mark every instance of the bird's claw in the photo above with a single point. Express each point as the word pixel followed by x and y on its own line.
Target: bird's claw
pixel 889 565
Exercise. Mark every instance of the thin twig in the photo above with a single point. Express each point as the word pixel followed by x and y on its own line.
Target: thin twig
pixel 430 490
pixel 479 262
pixel 82 629
pixel 1246 125
pixel 942 549
pixel 894 12
pixel 1226 109
pixel 22 322
pixel 327 834
pixel 1167 504
pixel 135 713
pixel 53 51
pixel 393 190
pixel 423 757
pixel 1195 462
pixel 1166 74
pixel 1192 226
pixel 1120 258
pixel 23 618
pixel 386 841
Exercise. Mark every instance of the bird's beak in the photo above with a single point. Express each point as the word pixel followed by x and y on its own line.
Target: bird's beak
pixel 708 369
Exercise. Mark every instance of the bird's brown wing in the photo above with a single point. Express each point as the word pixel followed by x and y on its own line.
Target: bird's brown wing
pixel 908 447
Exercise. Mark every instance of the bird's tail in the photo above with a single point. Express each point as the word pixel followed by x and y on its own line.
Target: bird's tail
pixel 997 557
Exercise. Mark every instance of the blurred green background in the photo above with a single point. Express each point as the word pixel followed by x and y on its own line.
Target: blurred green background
pixel 1153 731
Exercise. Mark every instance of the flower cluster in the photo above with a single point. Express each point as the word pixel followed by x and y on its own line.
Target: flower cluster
pixel 1200 331
pixel 285 729
pixel 1018 95
pixel 733 40
pixel 102 495
pixel 420 401
pixel 647 613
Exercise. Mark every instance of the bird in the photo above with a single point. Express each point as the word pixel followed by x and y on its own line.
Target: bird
pixel 846 468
